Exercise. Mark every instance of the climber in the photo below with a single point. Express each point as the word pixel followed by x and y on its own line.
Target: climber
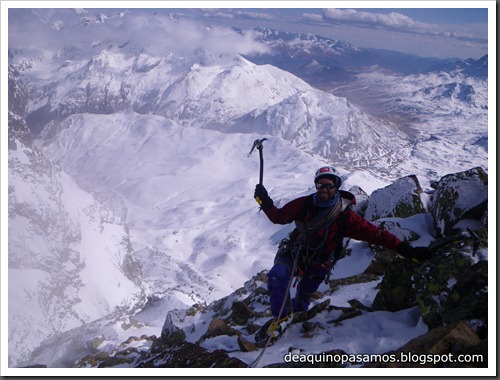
pixel 322 220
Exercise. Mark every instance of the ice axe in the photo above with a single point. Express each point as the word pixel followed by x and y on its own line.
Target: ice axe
pixel 476 241
pixel 258 144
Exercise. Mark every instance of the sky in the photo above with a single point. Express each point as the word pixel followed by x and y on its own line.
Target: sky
pixel 429 32
pixel 442 29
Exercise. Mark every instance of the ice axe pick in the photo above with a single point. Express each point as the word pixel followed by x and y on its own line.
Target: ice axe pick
pixel 258 144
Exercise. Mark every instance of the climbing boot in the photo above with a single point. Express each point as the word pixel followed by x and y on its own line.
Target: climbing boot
pixel 277 327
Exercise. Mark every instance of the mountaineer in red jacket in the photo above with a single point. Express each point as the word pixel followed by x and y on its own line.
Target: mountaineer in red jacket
pixel 313 247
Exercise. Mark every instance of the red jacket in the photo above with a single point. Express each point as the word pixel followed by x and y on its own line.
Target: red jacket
pixel 355 226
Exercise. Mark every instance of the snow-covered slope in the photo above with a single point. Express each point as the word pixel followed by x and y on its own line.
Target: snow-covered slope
pixel 440 106
pixel 445 113
pixel 225 93
pixel 183 190
pixel 70 259
pixel 331 129
pixel 386 115
pixel 185 195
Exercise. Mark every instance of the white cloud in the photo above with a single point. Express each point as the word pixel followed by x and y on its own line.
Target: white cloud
pixel 393 21
pixel 156 32
pixel 236 14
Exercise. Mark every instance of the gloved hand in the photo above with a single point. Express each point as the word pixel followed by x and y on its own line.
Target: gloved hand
pixel 419 254
pixel 262 197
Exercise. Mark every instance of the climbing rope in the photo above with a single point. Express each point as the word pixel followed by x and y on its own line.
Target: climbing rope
pixel 287 295
pixel 322 221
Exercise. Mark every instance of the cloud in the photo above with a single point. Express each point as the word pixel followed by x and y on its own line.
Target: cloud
pixel 155 32
pixel 394 22
pixel 314 17
pixel 236 14
pixel 190 35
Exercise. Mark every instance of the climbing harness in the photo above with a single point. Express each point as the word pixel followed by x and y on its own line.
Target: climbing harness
pixel 294 246
pixel 323 222
pixel 320 222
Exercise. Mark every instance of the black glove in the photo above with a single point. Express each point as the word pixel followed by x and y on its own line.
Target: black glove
pixel 419 254
pixel 262 197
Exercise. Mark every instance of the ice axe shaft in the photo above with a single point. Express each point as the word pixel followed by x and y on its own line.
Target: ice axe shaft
pixel 476 241
pixel 258 144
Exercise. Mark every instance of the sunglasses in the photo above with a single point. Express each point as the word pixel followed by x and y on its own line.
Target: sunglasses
pixel 328 186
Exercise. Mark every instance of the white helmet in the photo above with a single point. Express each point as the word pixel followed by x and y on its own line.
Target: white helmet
pixel 329 172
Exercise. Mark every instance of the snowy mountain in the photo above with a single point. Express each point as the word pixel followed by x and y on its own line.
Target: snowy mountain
pixel 388 113
pixel 423 98
pixel 469 67
pixel 321 61
pixel 221 94
pixel 70 260
pixel 130 185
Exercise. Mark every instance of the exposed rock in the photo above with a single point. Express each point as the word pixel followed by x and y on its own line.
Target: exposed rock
pixel 241 313
pixel 103 360
pixel 441 347
pixel 311 313
pixel 447 288
pixel 359 305
pixel 443 340
pixel 375 268
pixel 452 288
pixel 171 335
pixel 133 350
pixel 396 229
pixel 219 327
pixel 312 329
pixel 261 335
pixel 380 262
pixel 356 279
pixel 190 355
pixel 396 289
pixel 400 199
pixel 457 197
pixel 347 313
pixel 245 345
pixel 361 200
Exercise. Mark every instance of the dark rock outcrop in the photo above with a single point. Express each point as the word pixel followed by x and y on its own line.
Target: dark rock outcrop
pixel 457 197
pixel 454 346
pixel 190 355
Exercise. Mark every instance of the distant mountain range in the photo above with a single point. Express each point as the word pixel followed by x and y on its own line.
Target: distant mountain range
pixel 324 62
pixel 340 68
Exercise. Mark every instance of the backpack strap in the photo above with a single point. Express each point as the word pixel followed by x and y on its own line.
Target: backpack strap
pixel 336 255
pixel 306 207
pixel 351 200
pixel 347 199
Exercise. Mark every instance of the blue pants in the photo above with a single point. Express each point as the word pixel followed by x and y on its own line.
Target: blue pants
pixel 277 283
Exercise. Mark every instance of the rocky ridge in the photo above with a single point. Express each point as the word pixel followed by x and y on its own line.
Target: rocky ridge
pixel 448 292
